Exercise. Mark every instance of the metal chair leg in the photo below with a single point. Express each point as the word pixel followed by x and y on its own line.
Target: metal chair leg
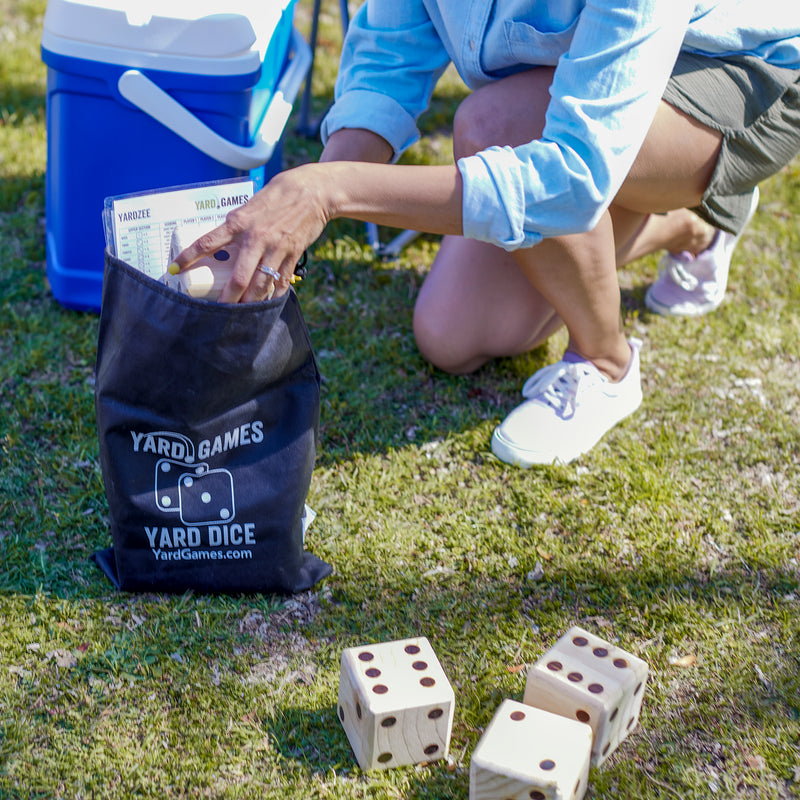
pixel 305 126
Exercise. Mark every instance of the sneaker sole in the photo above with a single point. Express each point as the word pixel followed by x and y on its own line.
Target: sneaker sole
pixel 510 454
pixel 673 311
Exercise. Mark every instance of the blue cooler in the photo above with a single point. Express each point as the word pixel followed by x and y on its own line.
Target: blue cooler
pixel 147 94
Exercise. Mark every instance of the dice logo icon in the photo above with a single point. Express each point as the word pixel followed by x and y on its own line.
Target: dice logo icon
pixel 206 498
pixel 168 472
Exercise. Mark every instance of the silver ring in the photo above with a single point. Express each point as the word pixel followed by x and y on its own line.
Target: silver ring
pixel 269 271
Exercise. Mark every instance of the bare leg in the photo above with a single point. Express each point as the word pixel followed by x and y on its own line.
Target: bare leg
pixel 638 235
pixel 473 306
pixel 578 275
pixel 673 168
pixel 456 320
pixel 476 304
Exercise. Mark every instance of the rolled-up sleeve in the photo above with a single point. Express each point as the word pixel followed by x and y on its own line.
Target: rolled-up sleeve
pixel 604 95
pixel 391 59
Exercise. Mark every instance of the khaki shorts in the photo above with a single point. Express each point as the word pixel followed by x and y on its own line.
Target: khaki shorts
pixel 756 108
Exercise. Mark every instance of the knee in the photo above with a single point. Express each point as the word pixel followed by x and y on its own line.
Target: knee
pixel 510 112
pixel 434 335
pixel 476 126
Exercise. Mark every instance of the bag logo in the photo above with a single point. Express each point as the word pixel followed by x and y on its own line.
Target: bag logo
pixel 198 494
pixel 201 497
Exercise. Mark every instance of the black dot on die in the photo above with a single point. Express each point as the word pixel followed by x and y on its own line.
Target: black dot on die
pixel 555 666
pixel 430 749
pixel 575 677
pixel 620 663
pixel 383 758
pixel 435 713
pixel 379 688
pixel 580 641
pixel 427 682
pixel 613 714
pixel 373 672
pixel 358 710
pixel 411 649
pixel 517 715
pixel 547 764
pixel 595 688
pixel 419 665
pixel 537 795
pixel 365 656
pixel 582 716
pixel 600 652
pixel 388 722
pixel 341 713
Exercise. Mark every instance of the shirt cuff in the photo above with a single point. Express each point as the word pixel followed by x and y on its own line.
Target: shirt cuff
pixel 374 112
pixel 493 199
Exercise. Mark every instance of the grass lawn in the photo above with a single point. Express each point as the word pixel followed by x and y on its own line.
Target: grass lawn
pixel 677 538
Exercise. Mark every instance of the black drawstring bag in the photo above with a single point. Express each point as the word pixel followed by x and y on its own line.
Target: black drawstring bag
pixel 208 418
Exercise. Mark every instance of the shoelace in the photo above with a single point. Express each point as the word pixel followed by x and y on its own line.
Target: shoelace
pixel 557 385
pixel 675 267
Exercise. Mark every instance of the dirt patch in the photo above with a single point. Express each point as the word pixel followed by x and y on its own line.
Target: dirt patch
pixel 287 653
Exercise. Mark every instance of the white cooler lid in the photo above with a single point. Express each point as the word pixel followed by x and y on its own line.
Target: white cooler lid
pixel 202 37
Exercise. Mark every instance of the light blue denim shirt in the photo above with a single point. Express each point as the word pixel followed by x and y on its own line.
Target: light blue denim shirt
pixel 613 59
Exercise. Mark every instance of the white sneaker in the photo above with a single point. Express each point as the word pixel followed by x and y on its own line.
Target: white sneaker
pixel 570 406
pixel 690 286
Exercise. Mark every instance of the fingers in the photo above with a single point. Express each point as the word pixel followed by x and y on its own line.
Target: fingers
pixel 254 282
pixel 271 231
pixel 290 272
pixel 208 243
pixel 251 278
pixel 264 284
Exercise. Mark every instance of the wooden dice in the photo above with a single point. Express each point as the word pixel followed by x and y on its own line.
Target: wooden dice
pixel 587 679
pixel 395 703
pixel 529 754
pixel 206 278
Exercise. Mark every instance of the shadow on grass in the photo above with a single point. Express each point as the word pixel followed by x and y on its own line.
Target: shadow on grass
pixel 378 396
pixel 315 742
pixel 466 612
pixel 486 626
pixel 21 192
pixel 378 392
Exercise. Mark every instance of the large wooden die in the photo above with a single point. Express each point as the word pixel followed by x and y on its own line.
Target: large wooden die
pixel 395 703
pixel 588 679
pixel 529 754
pixel 207 277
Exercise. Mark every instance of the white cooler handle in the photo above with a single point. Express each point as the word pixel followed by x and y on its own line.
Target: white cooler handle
pixel 138 89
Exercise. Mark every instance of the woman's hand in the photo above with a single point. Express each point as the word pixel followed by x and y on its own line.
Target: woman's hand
pixel 272 231
pixel 275 227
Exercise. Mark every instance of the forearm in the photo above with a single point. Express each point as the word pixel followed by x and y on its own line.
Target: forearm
pixel 279 222
pixel 421 198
